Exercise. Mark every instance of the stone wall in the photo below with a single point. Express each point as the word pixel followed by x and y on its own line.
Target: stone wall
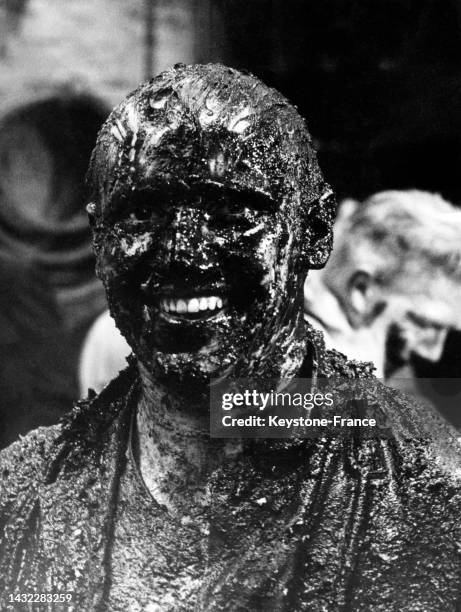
pixel 96 46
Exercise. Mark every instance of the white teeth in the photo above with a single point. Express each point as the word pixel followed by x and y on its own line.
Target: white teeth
pixel 193 305
pixel 181 306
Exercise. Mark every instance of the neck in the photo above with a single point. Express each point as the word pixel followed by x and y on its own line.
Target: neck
pixel 175 452
pixel 325 313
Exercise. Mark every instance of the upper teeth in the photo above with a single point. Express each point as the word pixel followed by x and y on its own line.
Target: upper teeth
pixel 192 305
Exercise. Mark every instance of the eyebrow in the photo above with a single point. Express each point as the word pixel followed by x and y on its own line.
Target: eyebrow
pixel 209 191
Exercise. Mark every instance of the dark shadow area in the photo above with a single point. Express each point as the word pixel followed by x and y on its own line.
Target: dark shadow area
pixel 378 81
pixel 50 295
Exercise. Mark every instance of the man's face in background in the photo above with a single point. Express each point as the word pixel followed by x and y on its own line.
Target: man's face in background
pixel 423 313
pixel 392 284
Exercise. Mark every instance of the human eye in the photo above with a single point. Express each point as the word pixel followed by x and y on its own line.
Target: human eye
pixel 233 209
pixel 240 206
pixel 228 214
pixel 138 207
pixel 423 322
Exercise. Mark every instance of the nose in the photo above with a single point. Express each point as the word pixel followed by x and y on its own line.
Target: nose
pixel 190 238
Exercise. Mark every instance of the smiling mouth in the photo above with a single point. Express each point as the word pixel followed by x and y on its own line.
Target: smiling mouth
pixel 197 308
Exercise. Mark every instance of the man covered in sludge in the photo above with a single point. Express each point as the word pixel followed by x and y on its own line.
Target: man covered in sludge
pixel 207 205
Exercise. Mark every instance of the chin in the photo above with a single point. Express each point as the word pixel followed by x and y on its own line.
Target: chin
pixel 198 349
pixel 187 366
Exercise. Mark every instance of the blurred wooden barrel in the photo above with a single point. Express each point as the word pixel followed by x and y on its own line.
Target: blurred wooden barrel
pixel 45 147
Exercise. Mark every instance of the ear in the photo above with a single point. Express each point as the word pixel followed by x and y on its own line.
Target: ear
pixel 319 226
pixel 430 342
pixel 362 299
pixel 91 212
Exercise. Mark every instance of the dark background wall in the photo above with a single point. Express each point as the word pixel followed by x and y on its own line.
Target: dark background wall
pixel 378 81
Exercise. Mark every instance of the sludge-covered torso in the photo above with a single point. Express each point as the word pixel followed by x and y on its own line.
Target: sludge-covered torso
pixel 328 524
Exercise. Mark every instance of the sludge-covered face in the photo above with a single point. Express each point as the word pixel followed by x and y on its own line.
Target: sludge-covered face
pixel 207 208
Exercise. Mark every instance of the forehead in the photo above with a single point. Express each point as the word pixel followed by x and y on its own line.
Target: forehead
pixel 188 134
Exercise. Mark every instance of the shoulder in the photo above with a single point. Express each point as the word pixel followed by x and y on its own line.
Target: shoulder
pixel 23 474
pixel 420 433
pixel 24 463
pixel 83 432
pixel 421 437
pixel 330 363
